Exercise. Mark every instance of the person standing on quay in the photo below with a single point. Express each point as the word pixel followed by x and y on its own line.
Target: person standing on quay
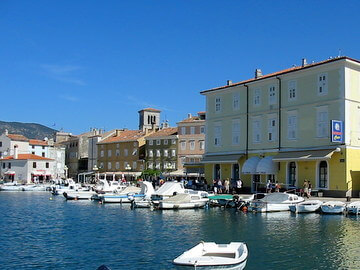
pixel 306 188
pixel 238 186
pixel 309 189
pixel 227 185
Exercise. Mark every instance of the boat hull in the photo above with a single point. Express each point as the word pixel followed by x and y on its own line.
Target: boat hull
pixel 332 209
pixel 190 205
pixel 84 195
pixel 307 207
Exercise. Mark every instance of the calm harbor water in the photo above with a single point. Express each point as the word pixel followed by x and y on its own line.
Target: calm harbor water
pixel 40 233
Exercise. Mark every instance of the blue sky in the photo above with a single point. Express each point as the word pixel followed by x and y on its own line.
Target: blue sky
pixel 73 65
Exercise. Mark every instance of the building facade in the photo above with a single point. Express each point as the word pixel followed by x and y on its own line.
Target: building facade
pixel 191 145
pixel 298 124
pixel 162 150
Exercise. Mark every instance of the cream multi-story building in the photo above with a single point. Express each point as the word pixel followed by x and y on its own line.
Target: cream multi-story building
pixel 297 124
pixel 191 144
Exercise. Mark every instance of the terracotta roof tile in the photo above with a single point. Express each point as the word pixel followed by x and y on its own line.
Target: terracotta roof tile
pixel 18 137
pixel 26 157
pixel 164 132
pixel 38 142
pixel 279 73
pixel 125 135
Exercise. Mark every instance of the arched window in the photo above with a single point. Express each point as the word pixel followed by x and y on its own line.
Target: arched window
pixel 292 174
pixel 217 171
pixel 323 174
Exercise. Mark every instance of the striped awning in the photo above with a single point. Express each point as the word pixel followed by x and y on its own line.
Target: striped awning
pixel 250 165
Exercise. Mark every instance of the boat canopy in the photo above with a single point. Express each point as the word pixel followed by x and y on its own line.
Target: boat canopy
pixel 168 188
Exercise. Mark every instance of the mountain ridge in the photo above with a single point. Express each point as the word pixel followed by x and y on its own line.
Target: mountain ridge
pixel 29 130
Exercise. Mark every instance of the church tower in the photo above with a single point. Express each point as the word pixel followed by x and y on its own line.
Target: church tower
pixel 149 119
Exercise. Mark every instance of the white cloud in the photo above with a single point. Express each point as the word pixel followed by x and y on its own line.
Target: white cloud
pixel 63 73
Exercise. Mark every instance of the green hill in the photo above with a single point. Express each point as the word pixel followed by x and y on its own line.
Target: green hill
pixel 29 130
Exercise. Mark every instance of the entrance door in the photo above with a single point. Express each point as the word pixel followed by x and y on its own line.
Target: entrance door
pixel 255 182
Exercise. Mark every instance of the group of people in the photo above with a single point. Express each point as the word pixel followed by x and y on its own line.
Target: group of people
pixel 227 187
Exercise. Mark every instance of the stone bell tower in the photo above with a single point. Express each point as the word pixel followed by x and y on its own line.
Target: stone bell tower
pixel 149 119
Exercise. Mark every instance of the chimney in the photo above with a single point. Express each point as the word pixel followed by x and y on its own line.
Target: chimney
pixel 303 62
pixel 117 132
pixel 229 82
pixel 258 73
pixel 189 115
pixel 16 152
pixel 6 132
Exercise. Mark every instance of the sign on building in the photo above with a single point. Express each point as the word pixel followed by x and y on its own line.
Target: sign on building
pixel 337 131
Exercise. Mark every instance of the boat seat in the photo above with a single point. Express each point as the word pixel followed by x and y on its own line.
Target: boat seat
pixel 221 254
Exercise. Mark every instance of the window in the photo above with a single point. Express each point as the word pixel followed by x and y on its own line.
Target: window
pixel 134 152
pixel 151 142
pixel 166 152
pixel 158 142
pixel 322 125
pixel 192 130
pixel 158 154
pixel 236 132
pixel 166 142
pixel 102 153
pixel 4 165
pixel 34 165
pixel 0 144
pixel 202 130
pixel 217 171
pixel 157 165
pixel 43 154
pixel 292 127
pixel 109 165
pixel 173 152
pixel 150 165
pixel 183 145
pixel 292 90
pixel 109 153
pixel 151 153
pixel 43 147
pixel 217 104
pixel 192 145
pixel 217 134
pixel 173 165
pixel 183 130
pixel 33 153
pixel 292 174
pixel 126 152
pixel 257 100
pixel 256 131
pixel 272 95
pixel 173 141
pixel 322 84
pixel 201 145
pixel 117 145
pixel 47 165
pixel 236 101
pixel 272 129
pixel 101 165
pixel 117 165
pixel 117 152
pixel 33 146
pixel 134 165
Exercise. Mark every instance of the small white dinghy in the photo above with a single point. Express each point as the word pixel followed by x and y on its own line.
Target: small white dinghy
pixel 353 208
pixel 306 207
pixel 333 207
pixel 215 255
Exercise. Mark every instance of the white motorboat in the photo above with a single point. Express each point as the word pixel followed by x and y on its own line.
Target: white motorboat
pixel 333 207
pixel 183 201
pixel 273 202
pixel 11 186
pixel 125 196
pixel 306 207
pixel 167 190
pixel 353 208
pixel 68 186
pixel 79 194
pixel 108 187
pixel 210 254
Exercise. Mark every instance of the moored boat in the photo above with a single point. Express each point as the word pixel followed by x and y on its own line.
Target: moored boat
pixel 273 202
pixel 306 207
pixel 333 207
pixel 353 208
pixel 183 201
pixel 210 254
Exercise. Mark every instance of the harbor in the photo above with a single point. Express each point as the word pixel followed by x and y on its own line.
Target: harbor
pixel 43 231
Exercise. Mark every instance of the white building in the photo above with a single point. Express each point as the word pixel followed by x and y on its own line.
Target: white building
pixel 39 147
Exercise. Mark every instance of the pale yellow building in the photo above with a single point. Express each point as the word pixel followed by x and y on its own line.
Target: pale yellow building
pixel 302 123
